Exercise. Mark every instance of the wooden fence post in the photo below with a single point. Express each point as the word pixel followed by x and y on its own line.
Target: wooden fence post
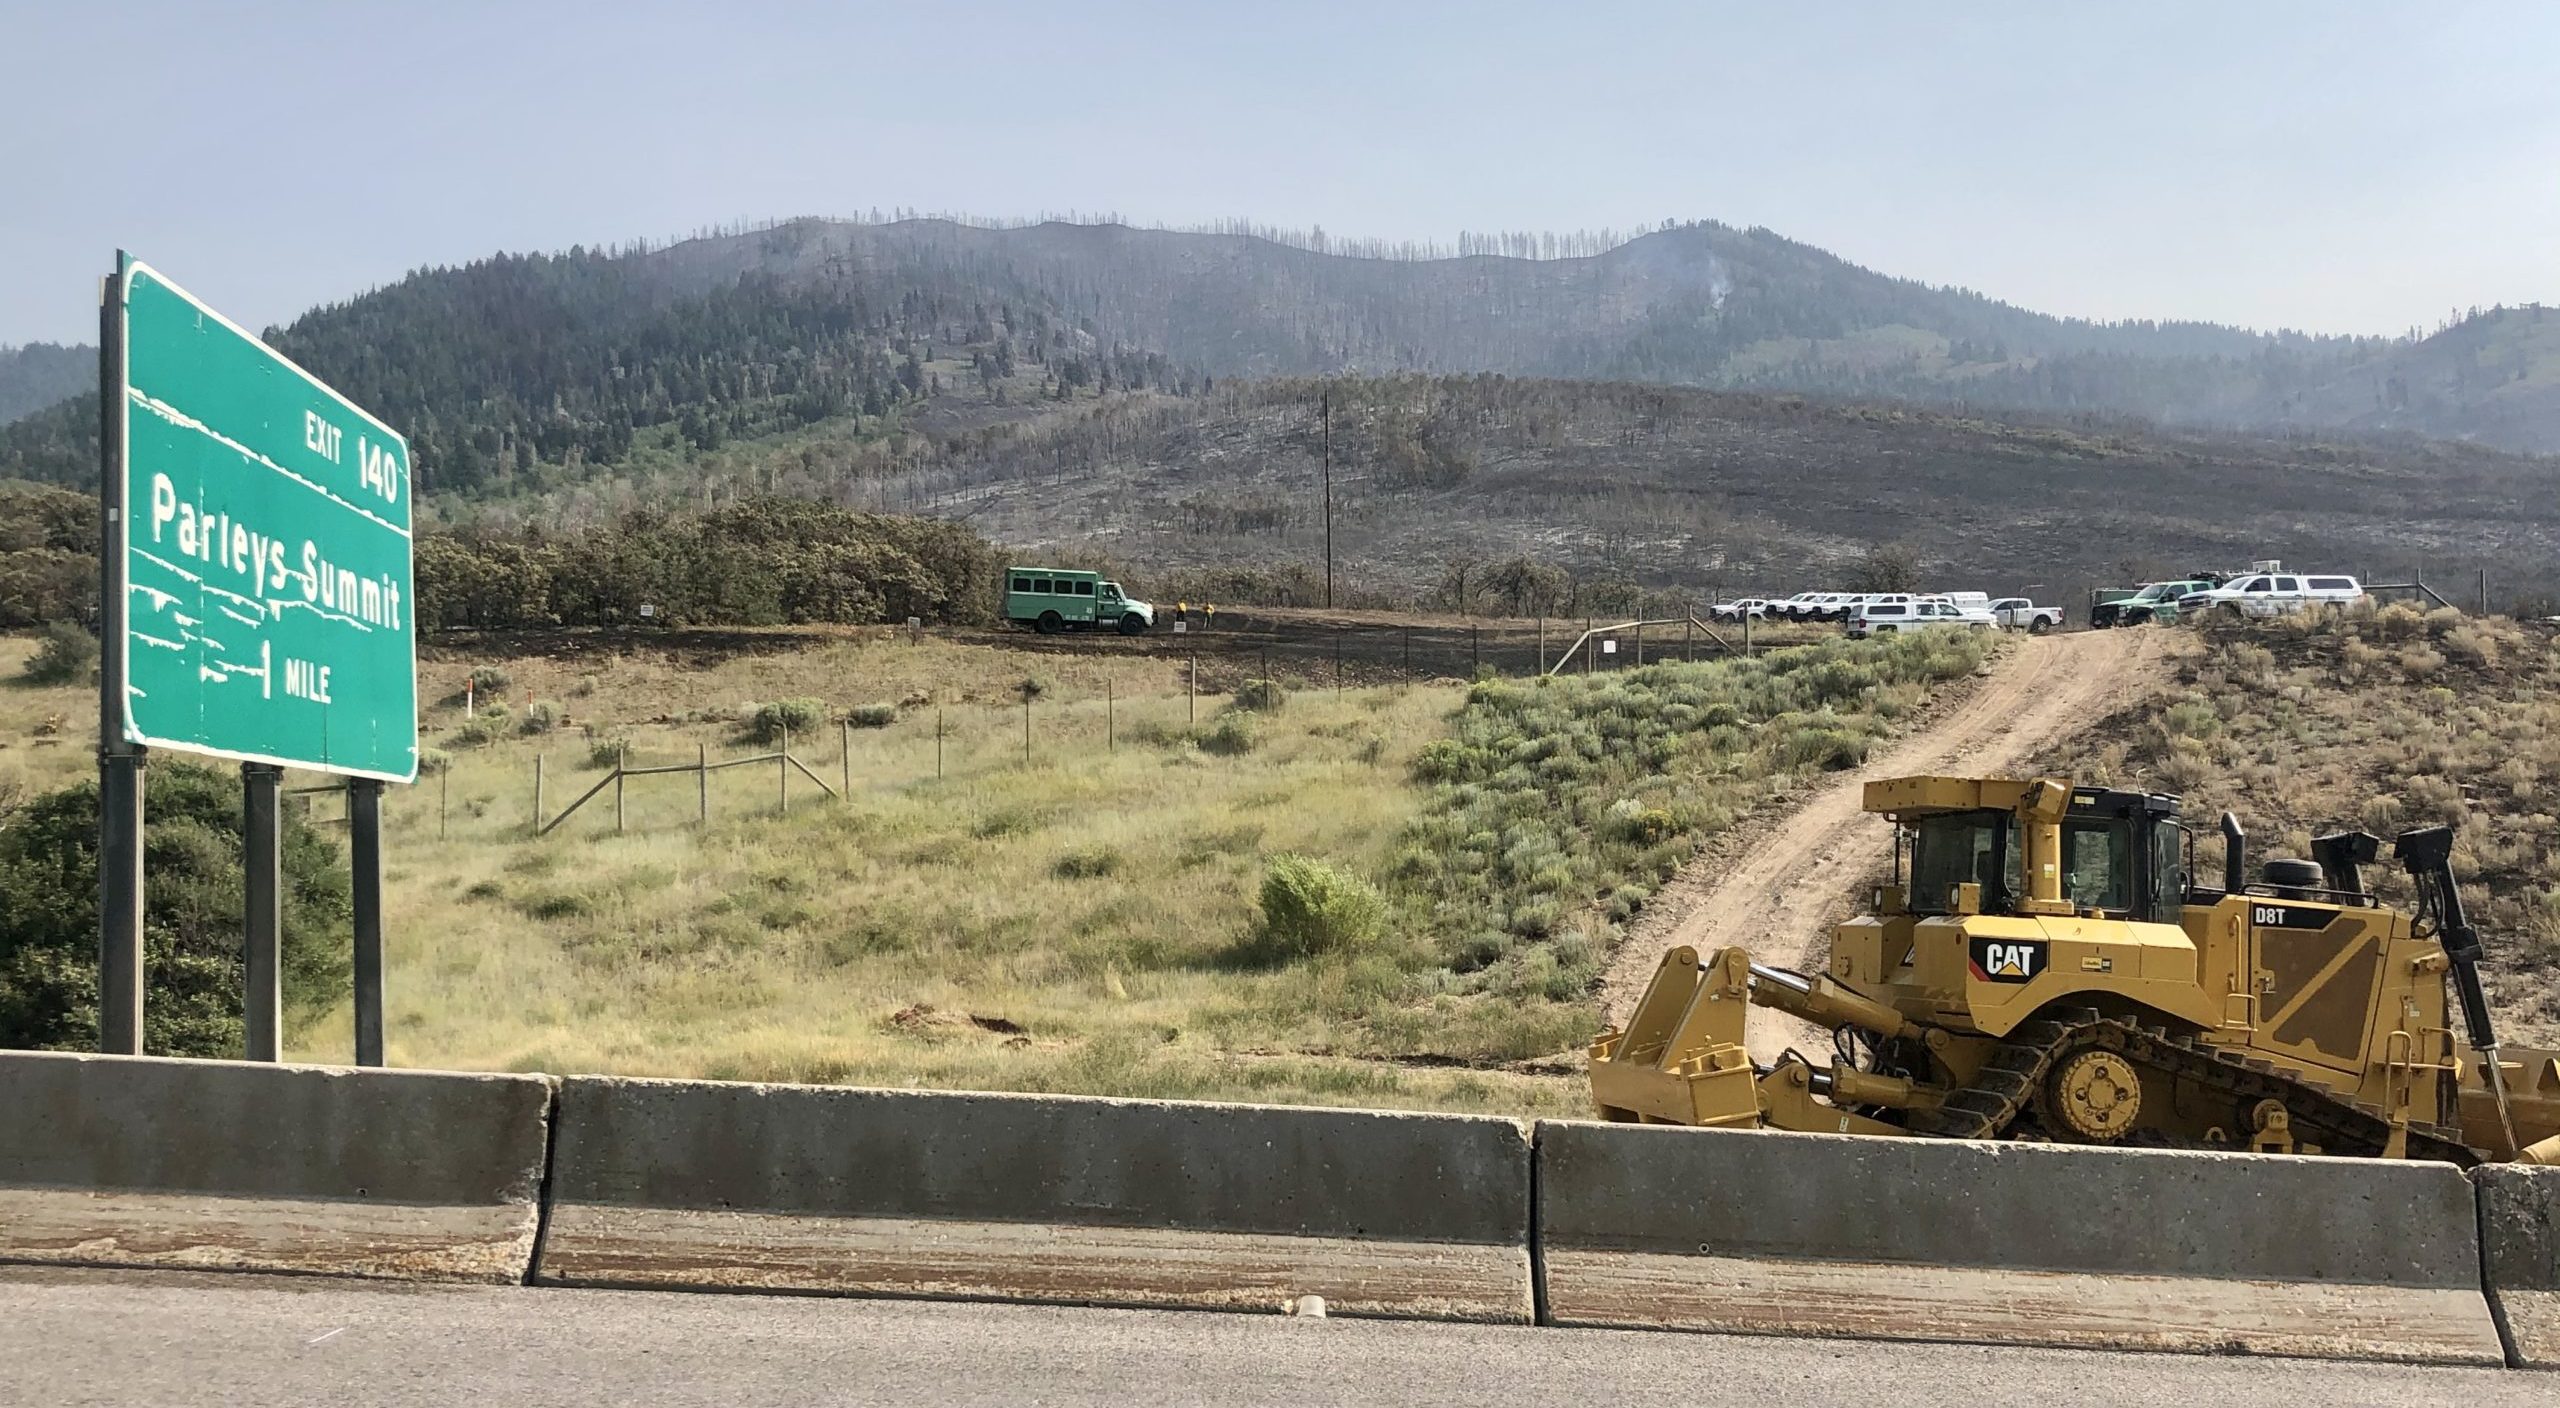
pixel 1475 652
pixel 1195 686
pixel 621 759
pixel 537 794
pixel 844 754
pixel 782 767
pixel 1110 716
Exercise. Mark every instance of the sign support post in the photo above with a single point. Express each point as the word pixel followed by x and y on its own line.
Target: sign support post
pixel 364 843
pixel 120 763
pixel 262 909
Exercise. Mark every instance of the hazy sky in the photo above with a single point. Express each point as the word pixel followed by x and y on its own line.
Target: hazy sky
pixel 2334 166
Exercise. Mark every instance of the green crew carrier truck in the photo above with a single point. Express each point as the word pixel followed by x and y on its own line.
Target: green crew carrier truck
pixel 1054 599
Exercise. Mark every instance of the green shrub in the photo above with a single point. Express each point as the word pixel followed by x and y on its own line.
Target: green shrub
pixel 540 716
pixel 1087 865
pixel 2191 718
pixel 433 760
pixel 1261 696
pixel 1631 820
pixel 1313 909
pixel 191 917
pixel 768 722
pixel 66 655
pixel 1233 735
pixel 1825 748
pixel 485 727
pixel 489 681
pixel 607 752
pixel 1443 760
pixel 872 715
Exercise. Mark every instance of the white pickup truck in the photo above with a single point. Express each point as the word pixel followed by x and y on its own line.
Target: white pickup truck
pixel 2017 613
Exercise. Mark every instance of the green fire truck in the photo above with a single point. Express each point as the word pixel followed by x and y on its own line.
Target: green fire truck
pixel 1054 599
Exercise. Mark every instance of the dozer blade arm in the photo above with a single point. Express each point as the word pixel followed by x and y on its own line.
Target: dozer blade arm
pixel 1681 1059
pixel 1684 1056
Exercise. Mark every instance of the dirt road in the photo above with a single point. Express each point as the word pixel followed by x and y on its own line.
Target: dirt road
pixel 1779 892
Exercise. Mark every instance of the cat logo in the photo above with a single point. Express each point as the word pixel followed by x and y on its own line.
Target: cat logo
pixel 2007 960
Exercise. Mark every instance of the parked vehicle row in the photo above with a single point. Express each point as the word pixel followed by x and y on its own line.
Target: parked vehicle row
pixel 1892 610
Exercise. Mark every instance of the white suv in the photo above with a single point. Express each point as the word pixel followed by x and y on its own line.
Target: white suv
pixel 1884 618
pixel 2266 594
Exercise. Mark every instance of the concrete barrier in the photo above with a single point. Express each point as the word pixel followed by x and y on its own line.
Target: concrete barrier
pixel 1116 1202
pixel 137 1161
pixel 1754 1231
pixel 2520 1258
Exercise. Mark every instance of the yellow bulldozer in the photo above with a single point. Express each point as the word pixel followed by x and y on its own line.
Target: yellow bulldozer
pixel 2045 966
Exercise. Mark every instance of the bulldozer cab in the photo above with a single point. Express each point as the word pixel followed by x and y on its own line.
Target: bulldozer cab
pixel 2105 852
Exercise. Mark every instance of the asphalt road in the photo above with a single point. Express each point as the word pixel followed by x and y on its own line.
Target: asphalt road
pixel 81 1337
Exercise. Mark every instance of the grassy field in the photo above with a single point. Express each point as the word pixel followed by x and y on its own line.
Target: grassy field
pixel 1083 920
pixel 2382 720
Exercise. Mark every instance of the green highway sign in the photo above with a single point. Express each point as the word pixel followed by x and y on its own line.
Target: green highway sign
pixel 265 535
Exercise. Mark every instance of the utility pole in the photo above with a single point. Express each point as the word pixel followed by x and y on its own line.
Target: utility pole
pixel 1328 501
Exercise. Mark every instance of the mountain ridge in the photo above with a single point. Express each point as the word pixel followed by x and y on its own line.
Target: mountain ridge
pixel 809 319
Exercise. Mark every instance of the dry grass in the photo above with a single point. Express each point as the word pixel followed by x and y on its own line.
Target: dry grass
pixel 1084 920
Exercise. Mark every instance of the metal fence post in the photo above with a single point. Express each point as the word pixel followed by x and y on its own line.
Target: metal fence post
pixel 702 781
pixel 1639 643
pixel 621 759
pixel 844 754
pixel 537 793
pixel 1110 717
pixel 444 798
pixel 937 740
pixel 1475 651
pixel 1195 686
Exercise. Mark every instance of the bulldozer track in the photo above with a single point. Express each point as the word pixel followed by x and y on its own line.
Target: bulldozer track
pixel 2011 1082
